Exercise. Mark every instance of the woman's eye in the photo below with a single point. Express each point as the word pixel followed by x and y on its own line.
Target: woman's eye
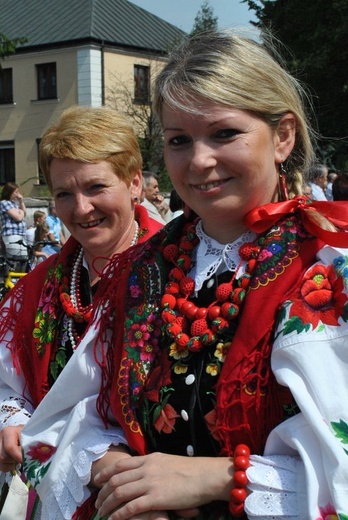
pixel 226 133
pixel 61 195
pixel 178 140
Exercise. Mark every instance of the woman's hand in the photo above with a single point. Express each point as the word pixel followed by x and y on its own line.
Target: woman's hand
pixel 10 448
pixel 160 482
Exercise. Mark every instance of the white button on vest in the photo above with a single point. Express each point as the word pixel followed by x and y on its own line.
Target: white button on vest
pixel 189 450
pixel 184 415
pixel 190 379
pixel 210 283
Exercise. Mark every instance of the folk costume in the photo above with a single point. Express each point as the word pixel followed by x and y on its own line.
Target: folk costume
pixel 198 363
pixel 49 379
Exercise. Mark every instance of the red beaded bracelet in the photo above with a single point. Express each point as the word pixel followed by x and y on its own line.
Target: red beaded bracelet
pixel 239 493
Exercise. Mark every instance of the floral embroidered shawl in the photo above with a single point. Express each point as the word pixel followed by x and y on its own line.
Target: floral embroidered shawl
pixel 35 313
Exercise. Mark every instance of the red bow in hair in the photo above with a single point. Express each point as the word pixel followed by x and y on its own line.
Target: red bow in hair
pixel 262 218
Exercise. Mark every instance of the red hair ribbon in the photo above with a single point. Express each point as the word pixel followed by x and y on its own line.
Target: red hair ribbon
pixel 262 218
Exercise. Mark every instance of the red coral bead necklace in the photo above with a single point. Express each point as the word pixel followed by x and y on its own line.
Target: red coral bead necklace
pixel 190 326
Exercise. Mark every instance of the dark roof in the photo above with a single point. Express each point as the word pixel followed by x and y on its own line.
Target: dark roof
pixel 111 22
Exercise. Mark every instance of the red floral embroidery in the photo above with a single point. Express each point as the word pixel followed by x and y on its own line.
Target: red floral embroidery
pixel 321 297
pixel 210 419
pixel 138 335
pixel 159 377
pixel 41 452
pixel 327 513
pixel 166 420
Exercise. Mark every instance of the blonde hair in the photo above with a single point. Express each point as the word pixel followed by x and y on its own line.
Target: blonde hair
pixel 229 69
pixel 92 135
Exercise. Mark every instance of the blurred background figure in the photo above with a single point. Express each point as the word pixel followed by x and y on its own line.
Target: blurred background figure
pixel 307 190
pixel 153 201
pixel 13 225
pixel 39 217
pixel 340 187
pixel 56 233
pixel 328 192
pixel 175 204
pixel 42 251
pixel 317 179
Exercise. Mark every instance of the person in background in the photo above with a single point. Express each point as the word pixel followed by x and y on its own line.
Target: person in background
pixel 143 191
pixel 317 179
pixel 340 187
pixel 153 201
pixel 328 191
pixel 56 233
pixel 39 217
pixel 307 190
pixel 13 225
pixel 175 204
pixel 92 164
pixel 223 334
pixel 42 251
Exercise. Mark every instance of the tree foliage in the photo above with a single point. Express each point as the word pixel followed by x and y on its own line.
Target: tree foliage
pixel 145 123
pixel 8 45
pixel 316 35
pixel 205 19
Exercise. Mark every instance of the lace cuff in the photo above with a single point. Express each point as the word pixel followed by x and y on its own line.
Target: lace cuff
pixel 71 491
pixel 275 482
pixel 13 413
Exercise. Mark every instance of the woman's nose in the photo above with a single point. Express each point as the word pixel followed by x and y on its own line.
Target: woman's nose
pixel 202 156
pixel 82 204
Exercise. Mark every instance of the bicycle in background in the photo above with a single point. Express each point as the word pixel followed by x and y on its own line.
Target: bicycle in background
pixel 13 268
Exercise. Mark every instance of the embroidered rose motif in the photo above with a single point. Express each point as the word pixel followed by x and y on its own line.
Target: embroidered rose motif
pixel 321 298
pixel 41 452
pixel 137 335
pixel 166 420
pixel 327 513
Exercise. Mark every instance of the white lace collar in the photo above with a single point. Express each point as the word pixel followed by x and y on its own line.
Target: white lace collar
pixel 211 257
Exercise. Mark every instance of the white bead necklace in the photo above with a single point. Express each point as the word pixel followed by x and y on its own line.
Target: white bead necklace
pixel 73 292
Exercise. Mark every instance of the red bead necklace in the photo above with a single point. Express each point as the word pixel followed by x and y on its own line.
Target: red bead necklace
pixel 190 326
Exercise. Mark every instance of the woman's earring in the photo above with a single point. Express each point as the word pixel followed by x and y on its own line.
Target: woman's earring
pixel 135 199
pixel 283 189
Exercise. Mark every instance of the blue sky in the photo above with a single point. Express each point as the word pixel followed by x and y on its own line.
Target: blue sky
pixel 182 13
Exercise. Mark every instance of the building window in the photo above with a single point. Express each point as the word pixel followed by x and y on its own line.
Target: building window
pixel 7 162
pixel 6 90
pixel 46 81
pixel 141 84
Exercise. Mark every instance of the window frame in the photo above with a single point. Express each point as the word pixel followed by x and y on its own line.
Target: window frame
pixel 141 74
pixel 46 72
pixel 6 86
pixel 7 162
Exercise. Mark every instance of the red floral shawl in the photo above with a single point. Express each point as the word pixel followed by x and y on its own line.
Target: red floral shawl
pixel 31 292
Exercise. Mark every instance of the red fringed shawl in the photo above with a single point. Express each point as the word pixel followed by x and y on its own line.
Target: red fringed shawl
pixel 37 290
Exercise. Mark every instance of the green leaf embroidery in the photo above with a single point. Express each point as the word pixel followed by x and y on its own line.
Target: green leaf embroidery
pixel 341 430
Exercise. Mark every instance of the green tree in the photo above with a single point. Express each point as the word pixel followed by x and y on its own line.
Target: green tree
pixel 316 35
pixel 205 19
pixel 8 46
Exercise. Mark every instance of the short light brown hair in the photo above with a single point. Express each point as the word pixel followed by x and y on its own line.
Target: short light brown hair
pixel 92 135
